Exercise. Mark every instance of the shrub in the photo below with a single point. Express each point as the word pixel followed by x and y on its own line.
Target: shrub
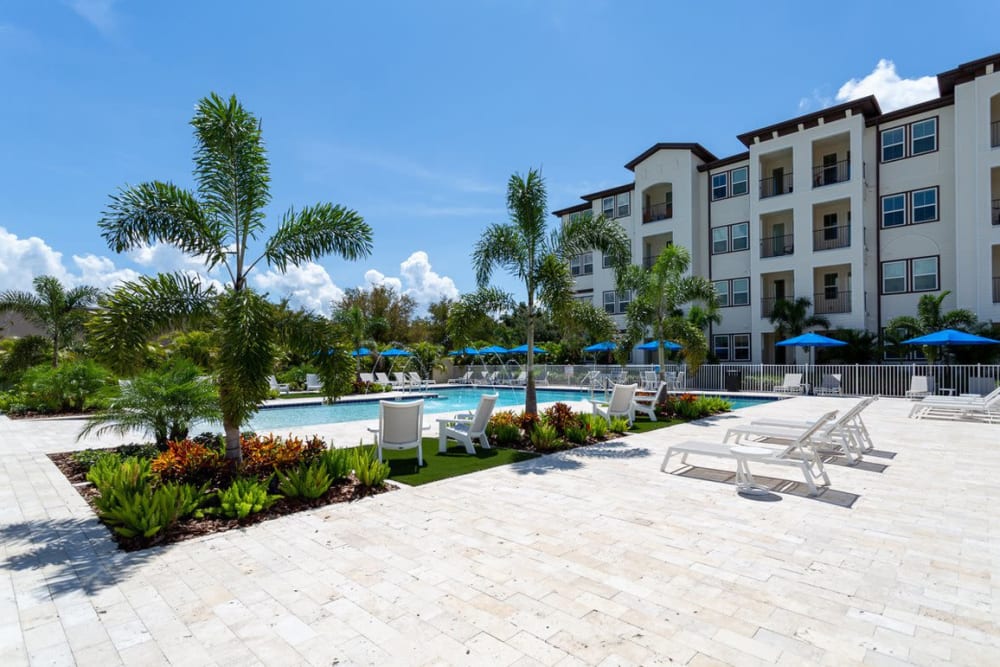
pixel 371 472
pixel 504 428
pixel 619 424
pixel 597 425
pixel 689 406
pixel 545 438
pixel 560 416
pixel 577 434
pixel 89 457
pixel 68 388
pixel 187 460
pixel 295 376
pixel 528 422
pixel 244 497
pixel 145 512
pixel 307 481
pixel 142 450
pixel 263 453
pixel 337 463
pixel 112 473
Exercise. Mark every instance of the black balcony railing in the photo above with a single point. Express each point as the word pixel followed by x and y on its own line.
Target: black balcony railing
pixel 995 212
pixel 995 133
pixel 661 211
pixel 776 185
pixel 832 300
pixel 647 262
pixel 832 173
pixel 831 237
pixel 996 290
pixel 775 246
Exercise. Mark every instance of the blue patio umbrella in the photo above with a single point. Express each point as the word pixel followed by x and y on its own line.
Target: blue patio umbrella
pixel 361 352
pixel 466 351
pixel 655 344
pixel 523 349
pixel 811 339
pixel 395 352
pixel 603 346
pixel 493 349
pixel 951 337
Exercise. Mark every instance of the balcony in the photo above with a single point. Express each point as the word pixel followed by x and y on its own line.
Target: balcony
pixel 996 290
pixel 828 174
pixel 775 246
pixel 661 211
pixel 774 186
pixel 829 238
pixel 832 300
pixel 995 212
pixel 648 262
pixel 995 133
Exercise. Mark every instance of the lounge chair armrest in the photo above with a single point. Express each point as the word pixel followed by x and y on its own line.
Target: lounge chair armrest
pixel 373 430
pixel 453 420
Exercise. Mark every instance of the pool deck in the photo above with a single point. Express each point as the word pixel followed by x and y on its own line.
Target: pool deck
pixel 591 556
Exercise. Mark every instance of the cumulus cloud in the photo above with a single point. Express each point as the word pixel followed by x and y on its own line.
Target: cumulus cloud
pixel 22 259
pixel 891 90
pixel 163 258
pixel 101 271
pixel 306 286
pixel 417 279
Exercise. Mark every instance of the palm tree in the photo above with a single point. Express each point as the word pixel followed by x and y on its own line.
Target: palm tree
pixel 59 312
pixel 217 223
pixel 929 319
pixel 525 249
pixel 790 318
pixel 658 296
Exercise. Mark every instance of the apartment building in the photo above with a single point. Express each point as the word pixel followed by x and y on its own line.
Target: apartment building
pixel 861 211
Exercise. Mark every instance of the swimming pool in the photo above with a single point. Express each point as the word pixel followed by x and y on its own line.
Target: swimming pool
pixel 447 400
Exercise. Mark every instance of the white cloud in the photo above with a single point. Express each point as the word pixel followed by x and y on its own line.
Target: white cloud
pixel 98 13
pixel 101 271
pixel 23 259
pixel 306 286
pixel 417 279
pixel 163 258
pixel 891 91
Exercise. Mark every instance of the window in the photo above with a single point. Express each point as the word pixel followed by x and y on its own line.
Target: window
pixel 925 205
pixel 740 236
pixel 720 240
pixel 586 298
pixel 721 292
pixel 739 179
pixel 582 265
pixel 609 302
pixel 923 136
pixel 893 143
pixel 830 286
pixel 719 189
pixel 740 290
pixel 919 274
pixel 730 238
pixel 732 292
pixel 741 347
pixel 925 274
pixel 608 207
pixel 624 299
pixel 720 345
pixel 830 227
pixel 616 302
pixel 606 261
pixel 624 204
pixel 894 210
pixel 578 216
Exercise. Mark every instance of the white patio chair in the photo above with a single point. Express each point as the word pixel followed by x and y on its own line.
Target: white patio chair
pixel 619 405
pixel 417 382
pixel 400 381
pixel 463 379
pixel 313 383
pixel 791 385
pixel 383 379
pixel 521 379
pixel 829 386
pixel 649 380
pixel 280 387
pixel 797 453
pixel 851 421
pixel 646 402
pixel 466 429
pixel 680 381
pixel 920 386
pixel 400 427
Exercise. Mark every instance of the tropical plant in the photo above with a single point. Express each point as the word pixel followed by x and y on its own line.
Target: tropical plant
pixel 217 223
pixel 245 496
pixel 369 471
pixel 545 438
pixel 146 512
pixel 560 416
pixel 791 317
pixel 539 260
pixel 18 355
pixel 931 318
pixel 263 453
pixel 658 295
pixel 164 402
pixel 337 463
pixel 187 460
pixel 861 348
pixel 70 387
pixel 577 434
pixel 59 312
pixel 596 425
pixel 306 480
pixel 618 424
pixel 113 472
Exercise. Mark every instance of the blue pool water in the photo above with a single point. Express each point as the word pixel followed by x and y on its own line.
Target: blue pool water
pixel 447 400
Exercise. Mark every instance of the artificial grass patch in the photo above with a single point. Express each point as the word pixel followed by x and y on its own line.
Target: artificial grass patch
pixel 644 425
pixel 456 461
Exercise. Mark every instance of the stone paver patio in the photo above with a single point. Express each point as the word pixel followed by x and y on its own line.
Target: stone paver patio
pixel 588 557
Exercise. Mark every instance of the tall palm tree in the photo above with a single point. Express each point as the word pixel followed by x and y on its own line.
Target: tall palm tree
pixel 658 296
pixel 931 318
pixel 217 223
pixel 59 312
pixel 790 318
pixel 525 249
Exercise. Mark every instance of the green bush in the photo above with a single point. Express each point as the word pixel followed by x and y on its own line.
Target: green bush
pixel 545 438
pixel 619 424
pixel 371 472
pixel 597 424
pixel 690 406
pixel 112 473
pixel 337 463
pixel 560 416
pixel 244 497
pixel 304 481
pixel 506 434
pixel 70 387
pixel 134 512
pixel 577 434
pixel 18 355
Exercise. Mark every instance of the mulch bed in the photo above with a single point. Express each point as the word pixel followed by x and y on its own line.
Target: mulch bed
pixel 343 491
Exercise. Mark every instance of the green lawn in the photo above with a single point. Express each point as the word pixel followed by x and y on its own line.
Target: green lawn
pixel 450 464
pixel 642 424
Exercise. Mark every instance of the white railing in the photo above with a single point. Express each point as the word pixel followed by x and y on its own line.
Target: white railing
pixel 856 379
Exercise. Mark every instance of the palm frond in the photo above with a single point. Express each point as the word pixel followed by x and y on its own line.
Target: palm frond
pixel 316 231
pixel 500 246
pixel 246 337
pixel 526 203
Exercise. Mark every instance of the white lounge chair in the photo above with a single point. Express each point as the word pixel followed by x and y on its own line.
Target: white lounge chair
pixel 649 380
pixel 619 405
pixel 981 385
pixel 313 383
pixel 463 379
pixel 959 406
pixel 417 382
pixel 400 427
pixel 797 454
pixel 466 429
pixel 829 386
pixel 646 402
pixel 845 435
pixel 279 387
pixel 591 379
pixel 791 385
pixel 542 378
pixel 920 386
pixel 368 379
pixel 400 381
pixel 521 379
pixel 383 379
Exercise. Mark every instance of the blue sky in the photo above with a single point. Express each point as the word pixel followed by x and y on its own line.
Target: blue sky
pixel 415 114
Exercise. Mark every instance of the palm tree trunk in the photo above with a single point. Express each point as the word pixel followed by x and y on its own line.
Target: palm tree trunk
pixel 233 450
pixel 530 399
pixel 55 350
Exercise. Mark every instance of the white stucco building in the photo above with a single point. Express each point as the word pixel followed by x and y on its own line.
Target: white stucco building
pixel 858 210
